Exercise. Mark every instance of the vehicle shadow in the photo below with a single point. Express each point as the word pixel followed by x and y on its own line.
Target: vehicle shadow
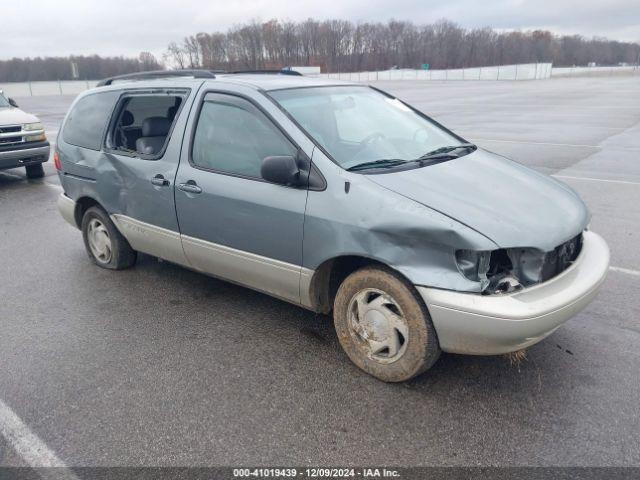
pixel 17 177
pixel 8 178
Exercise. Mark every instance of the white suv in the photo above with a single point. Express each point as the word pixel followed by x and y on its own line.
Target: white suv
pixel 22 139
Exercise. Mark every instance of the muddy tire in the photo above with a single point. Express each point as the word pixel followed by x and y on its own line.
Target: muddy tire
pixel 105 245
pixel 384 326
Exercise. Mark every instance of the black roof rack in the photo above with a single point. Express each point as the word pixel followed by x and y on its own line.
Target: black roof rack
pixel 283 71
pixel 195 73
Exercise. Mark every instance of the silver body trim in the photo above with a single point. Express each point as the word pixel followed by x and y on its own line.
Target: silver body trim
pixel 150 239
pixel 280 279
pixel 306 276
pixel 67 208
pixel 277 278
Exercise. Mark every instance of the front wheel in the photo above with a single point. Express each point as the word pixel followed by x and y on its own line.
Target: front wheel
pixel 104 243
pixel 383 326
pixel 35 171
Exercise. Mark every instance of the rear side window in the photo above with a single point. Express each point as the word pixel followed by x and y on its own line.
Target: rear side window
pixel 233 136
pixel 143 123
pixel 87 121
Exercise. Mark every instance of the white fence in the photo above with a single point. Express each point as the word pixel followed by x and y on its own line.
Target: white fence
pixel 31 89
pixel 526 71
pixel 593 71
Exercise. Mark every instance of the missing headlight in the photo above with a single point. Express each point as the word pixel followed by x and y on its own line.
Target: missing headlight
pixel 501 275
pixel 511 269
pixel 492 269
pixel 474 265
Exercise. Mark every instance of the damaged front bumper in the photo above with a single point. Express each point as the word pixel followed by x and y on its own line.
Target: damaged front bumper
pixel 494 324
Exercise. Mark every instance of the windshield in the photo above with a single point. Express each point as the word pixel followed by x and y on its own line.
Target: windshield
pixel 3 101
pixel 359 125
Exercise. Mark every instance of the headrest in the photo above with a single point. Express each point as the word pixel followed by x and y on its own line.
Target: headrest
pixel 156 127
pixel 127 118
pixel 171 112
pixel 150 145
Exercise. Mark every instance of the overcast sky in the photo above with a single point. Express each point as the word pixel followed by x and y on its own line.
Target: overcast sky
pixel 126 27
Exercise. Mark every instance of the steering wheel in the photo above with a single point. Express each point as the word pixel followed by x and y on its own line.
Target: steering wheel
pixel 418 130
pixel 369 139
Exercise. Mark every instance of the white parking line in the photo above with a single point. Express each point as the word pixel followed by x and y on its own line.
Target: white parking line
pixel 521 106
pixel 628 271
pixel 591 179
pixel 27 444
pixel 446 110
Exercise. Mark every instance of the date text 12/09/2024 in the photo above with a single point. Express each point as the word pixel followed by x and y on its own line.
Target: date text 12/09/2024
pixel 315 473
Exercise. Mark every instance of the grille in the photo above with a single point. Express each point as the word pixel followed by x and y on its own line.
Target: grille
pixel 566 253
pixel 10 140
pixel 560 258
pixel 529 266
pixel 5 134
pixel 10 128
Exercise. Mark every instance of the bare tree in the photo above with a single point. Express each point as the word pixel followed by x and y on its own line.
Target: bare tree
pixel 339 45
pixel 175 55
pixel 147 61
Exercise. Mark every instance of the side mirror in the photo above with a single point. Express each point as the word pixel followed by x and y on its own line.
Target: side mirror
pixel 12 102
pixel 280 169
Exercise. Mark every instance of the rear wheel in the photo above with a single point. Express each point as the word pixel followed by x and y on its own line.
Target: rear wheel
pixel 104 243
pixel 383 326
pixel 35 171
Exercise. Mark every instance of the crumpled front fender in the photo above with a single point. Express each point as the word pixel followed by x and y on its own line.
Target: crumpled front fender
pixel 373 222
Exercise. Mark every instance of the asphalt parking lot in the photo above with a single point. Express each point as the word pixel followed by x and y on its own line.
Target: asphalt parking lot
pixel 158 365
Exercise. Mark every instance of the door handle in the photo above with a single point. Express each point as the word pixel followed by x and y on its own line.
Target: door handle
pixel 190 187
pixel 160 181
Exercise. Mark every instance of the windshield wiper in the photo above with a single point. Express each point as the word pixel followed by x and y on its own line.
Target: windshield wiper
pixel 438 154
pixel 447 152
pixel 382 163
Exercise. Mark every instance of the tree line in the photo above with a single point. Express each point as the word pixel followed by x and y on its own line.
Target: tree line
pixel 88 67
pixel 338 46
pixel 343 46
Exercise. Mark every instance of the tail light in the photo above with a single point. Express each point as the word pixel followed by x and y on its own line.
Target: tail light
pixel 56 161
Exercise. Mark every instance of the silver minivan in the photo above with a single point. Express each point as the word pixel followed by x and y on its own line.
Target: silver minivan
pixel 335 197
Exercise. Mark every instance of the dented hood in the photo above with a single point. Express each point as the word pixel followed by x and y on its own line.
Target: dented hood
pixel 510 204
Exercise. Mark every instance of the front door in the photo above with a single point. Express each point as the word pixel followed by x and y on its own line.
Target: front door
pixel 233 224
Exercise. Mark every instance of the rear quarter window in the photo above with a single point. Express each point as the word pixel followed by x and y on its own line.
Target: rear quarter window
pixel 88 119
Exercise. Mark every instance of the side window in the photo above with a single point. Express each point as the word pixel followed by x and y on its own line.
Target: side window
pixel 143 123
pixel 87 121
pixel 233 136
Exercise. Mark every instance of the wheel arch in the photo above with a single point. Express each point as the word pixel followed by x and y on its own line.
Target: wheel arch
pixel 82 205
pixel 327 278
